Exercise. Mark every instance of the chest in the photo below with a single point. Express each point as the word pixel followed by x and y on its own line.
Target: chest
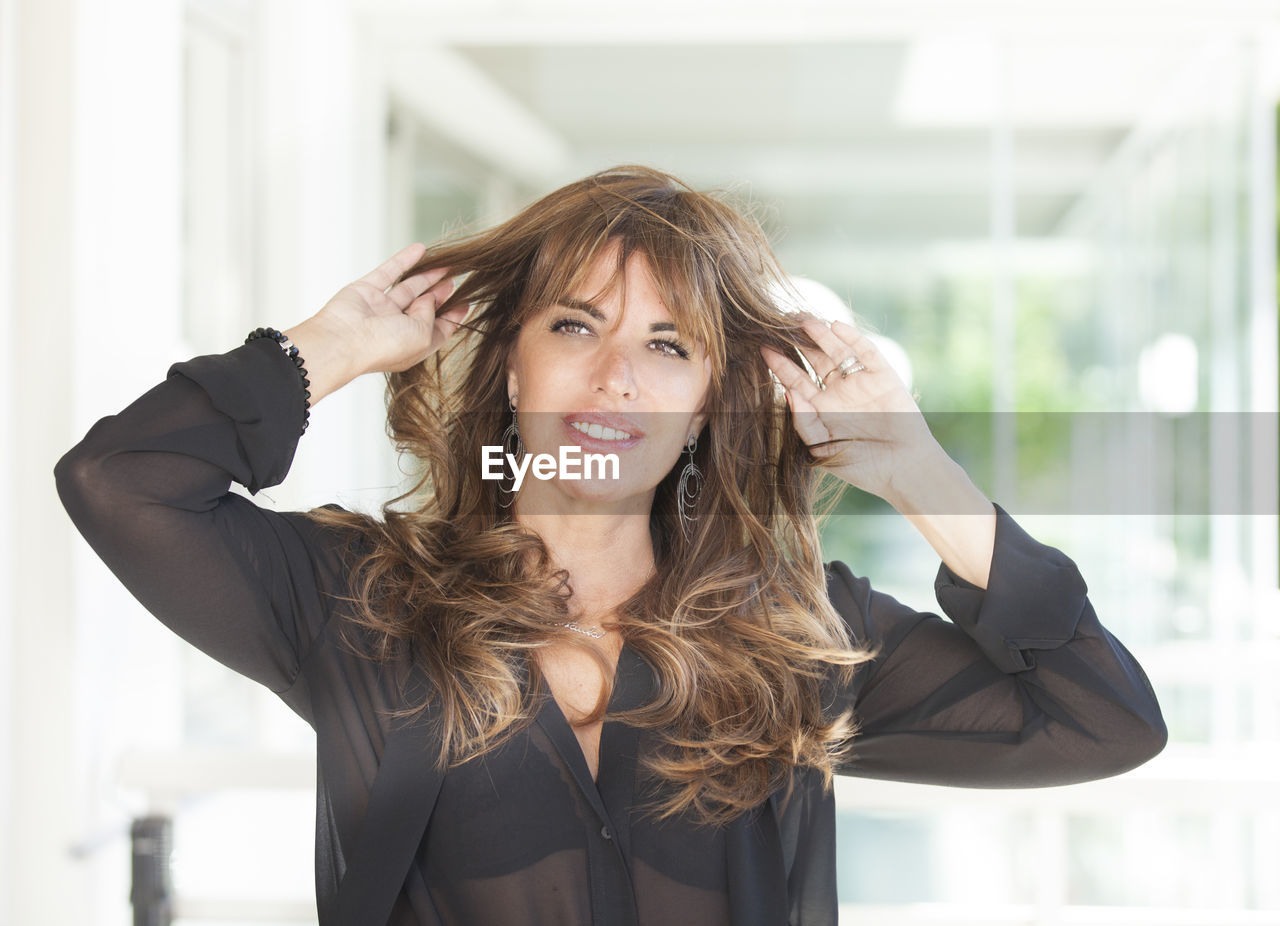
pixel 576 680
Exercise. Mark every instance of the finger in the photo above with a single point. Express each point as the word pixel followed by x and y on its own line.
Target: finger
pixel 820 362
pixel 444 324
pixel 455 315
pixel 807 421
pixel 410 288
pixel 840 343
pixel 427 301
pixel 395 266
pixel 795 380
pixel 831 345
pixel 443 288
pixel 862 343
pixel 448 322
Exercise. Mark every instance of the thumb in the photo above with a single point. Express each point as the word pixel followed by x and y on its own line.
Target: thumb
pixel 449 321
pixel 438 329
pixel 455 314
pixel 806 419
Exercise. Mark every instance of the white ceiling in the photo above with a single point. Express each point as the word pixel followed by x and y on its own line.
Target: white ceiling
pixel 855 122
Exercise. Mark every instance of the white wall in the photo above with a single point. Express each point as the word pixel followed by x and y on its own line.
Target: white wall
pixel 8 102
pixel 91 278
pixel 44 799
pixel 322 212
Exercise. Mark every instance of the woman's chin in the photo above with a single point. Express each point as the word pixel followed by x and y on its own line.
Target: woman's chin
pixel 588 496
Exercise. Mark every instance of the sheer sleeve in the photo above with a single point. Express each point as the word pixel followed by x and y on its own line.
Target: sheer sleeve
pixel 1022 687
pixel 149 490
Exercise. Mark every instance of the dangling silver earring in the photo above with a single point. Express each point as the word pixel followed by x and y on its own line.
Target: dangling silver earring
pixel 690 486
pixel 513 447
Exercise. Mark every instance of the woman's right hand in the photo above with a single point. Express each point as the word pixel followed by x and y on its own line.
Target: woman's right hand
pixel 372 326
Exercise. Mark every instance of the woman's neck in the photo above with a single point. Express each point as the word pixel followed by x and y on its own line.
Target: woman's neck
pixel 608 556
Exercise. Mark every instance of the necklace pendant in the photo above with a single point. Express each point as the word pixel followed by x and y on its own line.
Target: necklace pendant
pixel 596 633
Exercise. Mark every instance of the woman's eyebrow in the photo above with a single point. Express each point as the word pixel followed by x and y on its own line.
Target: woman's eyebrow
pixel 582 305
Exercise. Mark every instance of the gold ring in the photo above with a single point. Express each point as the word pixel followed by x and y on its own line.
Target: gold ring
pixel 850 365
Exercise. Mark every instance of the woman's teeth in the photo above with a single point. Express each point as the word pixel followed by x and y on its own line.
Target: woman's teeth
pixel 599 431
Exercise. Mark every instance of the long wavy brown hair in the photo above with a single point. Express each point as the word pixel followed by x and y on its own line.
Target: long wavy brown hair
pixel 735 621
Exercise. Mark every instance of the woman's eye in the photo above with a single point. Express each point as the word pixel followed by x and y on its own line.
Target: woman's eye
pixel 570 326
pixel 670 348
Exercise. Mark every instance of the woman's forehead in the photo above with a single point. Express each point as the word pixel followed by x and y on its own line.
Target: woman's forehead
pixel 606 284
pixel 600 282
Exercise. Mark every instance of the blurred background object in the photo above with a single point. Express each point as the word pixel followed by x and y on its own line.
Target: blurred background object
pixel 1063 213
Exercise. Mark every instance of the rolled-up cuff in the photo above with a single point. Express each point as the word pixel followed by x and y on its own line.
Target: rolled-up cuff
pixel 1033 599
pixel 259 390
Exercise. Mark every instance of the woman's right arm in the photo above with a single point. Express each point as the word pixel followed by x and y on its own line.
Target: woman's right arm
pixel 149 487
pixel 149 490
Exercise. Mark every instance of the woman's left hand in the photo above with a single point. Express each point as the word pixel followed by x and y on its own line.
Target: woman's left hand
pixel 883 445
pixel 861 405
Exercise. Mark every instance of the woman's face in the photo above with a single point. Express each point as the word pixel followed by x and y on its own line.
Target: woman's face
pixel 604 371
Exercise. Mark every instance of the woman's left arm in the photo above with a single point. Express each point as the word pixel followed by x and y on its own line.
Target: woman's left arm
pixel 1023 686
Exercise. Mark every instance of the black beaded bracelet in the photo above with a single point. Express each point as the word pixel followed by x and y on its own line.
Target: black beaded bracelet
pixel 291 352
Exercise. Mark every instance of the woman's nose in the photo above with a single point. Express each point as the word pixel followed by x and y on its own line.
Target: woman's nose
pixel 614 373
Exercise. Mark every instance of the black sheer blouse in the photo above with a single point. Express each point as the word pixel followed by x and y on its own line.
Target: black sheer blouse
pixel 1021 687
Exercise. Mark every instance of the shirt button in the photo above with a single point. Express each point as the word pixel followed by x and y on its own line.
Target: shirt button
pixel 604 831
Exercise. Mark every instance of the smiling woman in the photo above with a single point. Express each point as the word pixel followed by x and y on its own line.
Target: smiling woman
pixel 597 700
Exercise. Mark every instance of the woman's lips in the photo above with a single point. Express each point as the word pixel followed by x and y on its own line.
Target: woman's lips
pixel 602 433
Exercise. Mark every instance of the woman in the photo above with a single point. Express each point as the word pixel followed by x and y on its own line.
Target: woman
pixel 614 699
